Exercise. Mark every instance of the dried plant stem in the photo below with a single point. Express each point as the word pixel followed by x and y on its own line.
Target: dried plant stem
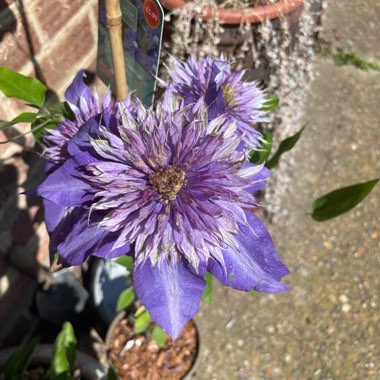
pixel 113 12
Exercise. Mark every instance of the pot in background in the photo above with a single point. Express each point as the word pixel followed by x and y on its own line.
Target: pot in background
pixel 231 39
pixel 108 280
pixel 90 369
pixel 235 16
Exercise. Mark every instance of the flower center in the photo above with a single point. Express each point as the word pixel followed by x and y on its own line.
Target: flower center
pixel 229 95
pixel 168 182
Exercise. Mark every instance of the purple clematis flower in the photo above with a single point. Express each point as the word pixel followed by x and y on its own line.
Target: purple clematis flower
pixel 224 92
pixel 84 105
pixel 170 188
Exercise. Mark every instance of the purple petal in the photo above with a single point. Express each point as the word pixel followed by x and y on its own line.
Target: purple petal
pixel 258 180
pixel 75 239
pixel 78 90
pixel 63 187
pixel 171 294
pixel 106 251
pixel 53 214
pixel 214 97
pixel 257 265
pixel 80 147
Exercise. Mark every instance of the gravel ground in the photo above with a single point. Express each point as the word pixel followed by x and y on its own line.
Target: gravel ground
pixel 327 326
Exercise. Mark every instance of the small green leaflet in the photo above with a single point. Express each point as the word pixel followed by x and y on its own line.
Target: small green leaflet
pixel 139 311
pixel 126 297
pixel 15 85
pixel 41 124
pixel 49 117
pixel 18 362
pixel 271 103
pixel 125 261
pixel 57 110
pixel 260 156
pixel 207 293
pixel 111 375
pixel 285 146
pixel 142 322
pixel 25 117
pixel 62 365
pixel 340 201
pixel 159 336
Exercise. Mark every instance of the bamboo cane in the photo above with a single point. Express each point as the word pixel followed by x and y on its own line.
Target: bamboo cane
pixel 113 12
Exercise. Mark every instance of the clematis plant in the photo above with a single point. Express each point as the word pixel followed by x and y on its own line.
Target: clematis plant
pixel 170 187
pixel 167 186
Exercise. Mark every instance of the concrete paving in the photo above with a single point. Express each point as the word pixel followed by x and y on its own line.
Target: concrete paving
pixel 327 326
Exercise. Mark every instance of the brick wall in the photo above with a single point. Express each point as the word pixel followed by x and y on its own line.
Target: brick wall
pixel 51 40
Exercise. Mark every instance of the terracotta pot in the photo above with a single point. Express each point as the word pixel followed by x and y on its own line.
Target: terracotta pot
pixel 123 315
pixel 43 353
pixel 235 16
pixel 232 38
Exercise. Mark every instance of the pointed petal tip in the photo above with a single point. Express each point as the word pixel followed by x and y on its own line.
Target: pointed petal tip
pixel 170 294
pixel 277 287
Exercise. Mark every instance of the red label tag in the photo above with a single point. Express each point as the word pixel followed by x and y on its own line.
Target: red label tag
pixel 151 14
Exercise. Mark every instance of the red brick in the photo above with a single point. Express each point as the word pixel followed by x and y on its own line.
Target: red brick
pixel 15 48
pixel 54 15
pixel 58 65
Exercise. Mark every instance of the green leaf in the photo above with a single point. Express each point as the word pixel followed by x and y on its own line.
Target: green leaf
pixel 125 261
pixel 159 336
pixel 340 201
pixel 285 146
pixel 25 117
pixel 111 375
pixel 207 293
pixel 41 124
pixel 344 57
pixel 62 366
pixel 142 322
pixel 262 155
pixel 15 85
pixel 126 297
pixel 271 103
pixel 17 363
pixel 57 110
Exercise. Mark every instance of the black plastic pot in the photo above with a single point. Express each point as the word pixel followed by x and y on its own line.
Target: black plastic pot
pixel 108 280
pixel 90 369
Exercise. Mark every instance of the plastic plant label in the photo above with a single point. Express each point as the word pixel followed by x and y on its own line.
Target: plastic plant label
pixel 142 26
pixel 129 14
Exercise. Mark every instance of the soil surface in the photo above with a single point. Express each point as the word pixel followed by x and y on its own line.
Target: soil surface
pixel 135 357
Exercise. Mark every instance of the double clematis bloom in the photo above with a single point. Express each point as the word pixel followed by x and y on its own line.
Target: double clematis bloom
pixel 84 105
pixel 224 93
pixel 169 187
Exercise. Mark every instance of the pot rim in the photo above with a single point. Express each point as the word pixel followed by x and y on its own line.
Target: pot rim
pixel 121 315
pixel 254 15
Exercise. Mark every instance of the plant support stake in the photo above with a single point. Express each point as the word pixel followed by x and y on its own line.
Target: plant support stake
pixel 113 12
